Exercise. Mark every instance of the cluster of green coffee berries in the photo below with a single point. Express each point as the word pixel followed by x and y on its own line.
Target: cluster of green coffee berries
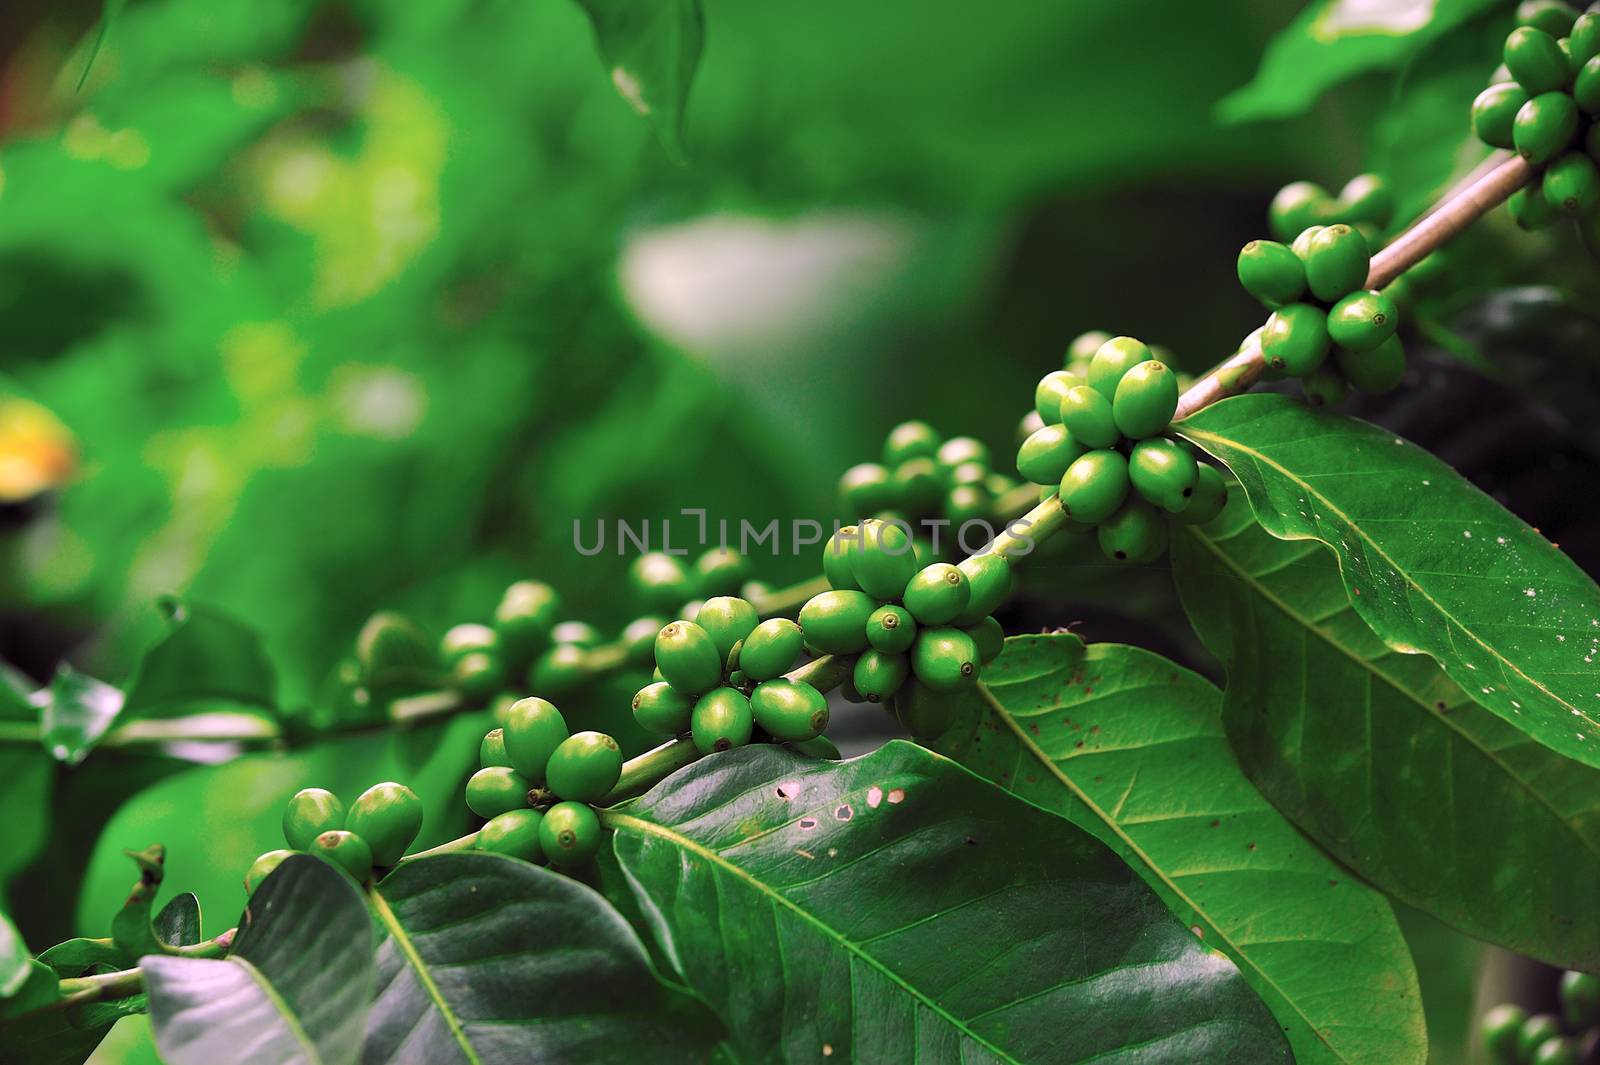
pixel 372 834
pixel 906 622
pixel 537 785
pixel 1100 448
pixel 1543 101
pixel 924 476
pixel 720 679
pixel 1512 1037
pixel 1364 203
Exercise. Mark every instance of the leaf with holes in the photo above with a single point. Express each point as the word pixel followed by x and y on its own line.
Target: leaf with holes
pixel 1130 746
pixel 1382 759
pixel 1430 563
pixel 894 907
pixel 294 988
pixel 534 967
pixel 651 52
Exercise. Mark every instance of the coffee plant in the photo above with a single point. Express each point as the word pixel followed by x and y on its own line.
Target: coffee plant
pixel 1083 851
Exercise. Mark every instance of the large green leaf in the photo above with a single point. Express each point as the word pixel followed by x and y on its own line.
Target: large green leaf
pixel 1431 564
pixel 294 989
pixel 651 51
pixel 1382 759
pixel 14 958
pixel 896 908
pixel 1131 747
pixel 207 660
pixel 488 958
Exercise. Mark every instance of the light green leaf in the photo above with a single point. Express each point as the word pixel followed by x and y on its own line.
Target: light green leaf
pixel 534 967
pixel 1431 564
pixel 894 907
pixel 14 958
pixel 651 50
pixel 294 989
pixel 178 923
pixel 1331 41
pixel 1130 746
pixel 76 712
pixel 1381 758
pixel 207 660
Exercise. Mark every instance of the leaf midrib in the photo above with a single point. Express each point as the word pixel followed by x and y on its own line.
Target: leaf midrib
pixel 619 820
pixel 403 943
pixel 996 708
pixel 289 1019
pixel 1371 667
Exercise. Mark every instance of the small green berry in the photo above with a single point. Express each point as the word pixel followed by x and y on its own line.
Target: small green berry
pixel 569 834
pixel 1302 244
pixel 1494 113
pixel 392 649
pixel 1533 1033
pixel 1586 88
pixel 959 450
pixel 972 472
pixel 1083 346
pixel 585 767
pixel 464 639
pixel 865 489
pixel 884 559
pixel 918 486
pixel 945 659
pixel 1326 387
pixel 492 749
pixel 878 676
pixel 493 791
pixel 1295 339
pixel 770 650
pixel 836 622
pixel 1583 43
pixel 910 440
pixel 819 747
pixel 1580 1000
pixel 1147 397
pixel 1545 126
pixel 1530 210
pixel 346 850
pixel 1210 496
pixel 659 582
pixel 1536 61
pixel 1271 272
pixel 891 629
pixel 727 620
pixel 1163 473
pixel 1031 423
pixel 1572 184
pixel 1363 320
pixel 1556 1051
pixel 1296 206
pixel 1136 533
pixel 836 554
pixel 790 710
pixel 989 637
pixel 523 619
pixel 967 502
pixel 687 656
pixel 1045 455
pixel 1551 16
pixel 1337 262
pixel 1087 414
pixel 515 832
pixel 720 571
pixel 478 676
pixel 309 813
pixel 923 712
pixel 1499 1029
pixel 937 594
pixel 988 585
pixel 1114 358
pixel 1366 198
pixel 534 729
pixel 661 709
pixel 576 634
pixel 1095 486
pixel 721 719
pixel 1048 394
pixel 263 867
pixel 388 816
pixel 638 639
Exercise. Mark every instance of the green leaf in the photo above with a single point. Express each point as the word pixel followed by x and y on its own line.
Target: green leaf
pixel 14 958
pixel 75 957
pixel 535 967
pixel 1381 758
pixel 294 988
pixel 1431 564
pixel 131 929
pixel 1130 746
pixel 108 14
pixel 76 712
pixel 651 50
pixel 207 660
pixel 894 907
pixel 32 1033
pixel 178 923
pixel 1331 41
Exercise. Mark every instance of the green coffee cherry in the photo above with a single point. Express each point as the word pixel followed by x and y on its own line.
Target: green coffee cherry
pixel 263 867
pixel 972 472
pixel 910 440
pixel 1536 61
pixel 493 791
pixel 1210 496
pixel 836 622
pixel 1048 394
pixel 727 621
pixel 309 813
pixel 1530 210
pixel 585 767
pixel 1147 397
pixel 721 719
pixel 1499 1029
pixel 1556 1051
pixel 1087 413
pixel 464 639
pixel 661 709
pixel 923 712
pixel 1337 262
pixel 1295 339
pixel 560 670
pixel 1114 358
pixel 1031 423
pixel 1297 206
pixel 936 595
pixel 576 634
pixel 790 710
pixel 1136 533
pixel 1551 16
pixel 836 554
pixel 1580 999
pixel 988 585
pixel 388 816
pixel 1163 473
pixel 891 629
pixel 1586 87
pixel 346 850
pixel 478 676
pixel 945 659
pixel 687 656
pixel 638 639
pixel 865 488
pixel 877 676
pixel 961 449
pixel 1494 113
pixel 918 485
pixel 1533 1033
pixel 1095 486
pixel 754 590
pixel 659 582
pixel 884 560
pixel 1545 126
pixel 968 502
pixel 1583 43
pixel 1302 244
pixel 1083 346
pixel 1572 184
pixel 819 747
pixel 569 834
pixel 1363 320
pixel 989 637
pixel 1271 273
pixel 771 649
pixel 515 832
pixel 391 649
pixel 534 729
pixel 1326 387
pixel 1366 198
pixel 1045 455
pixel 523 619
pixel 720 571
